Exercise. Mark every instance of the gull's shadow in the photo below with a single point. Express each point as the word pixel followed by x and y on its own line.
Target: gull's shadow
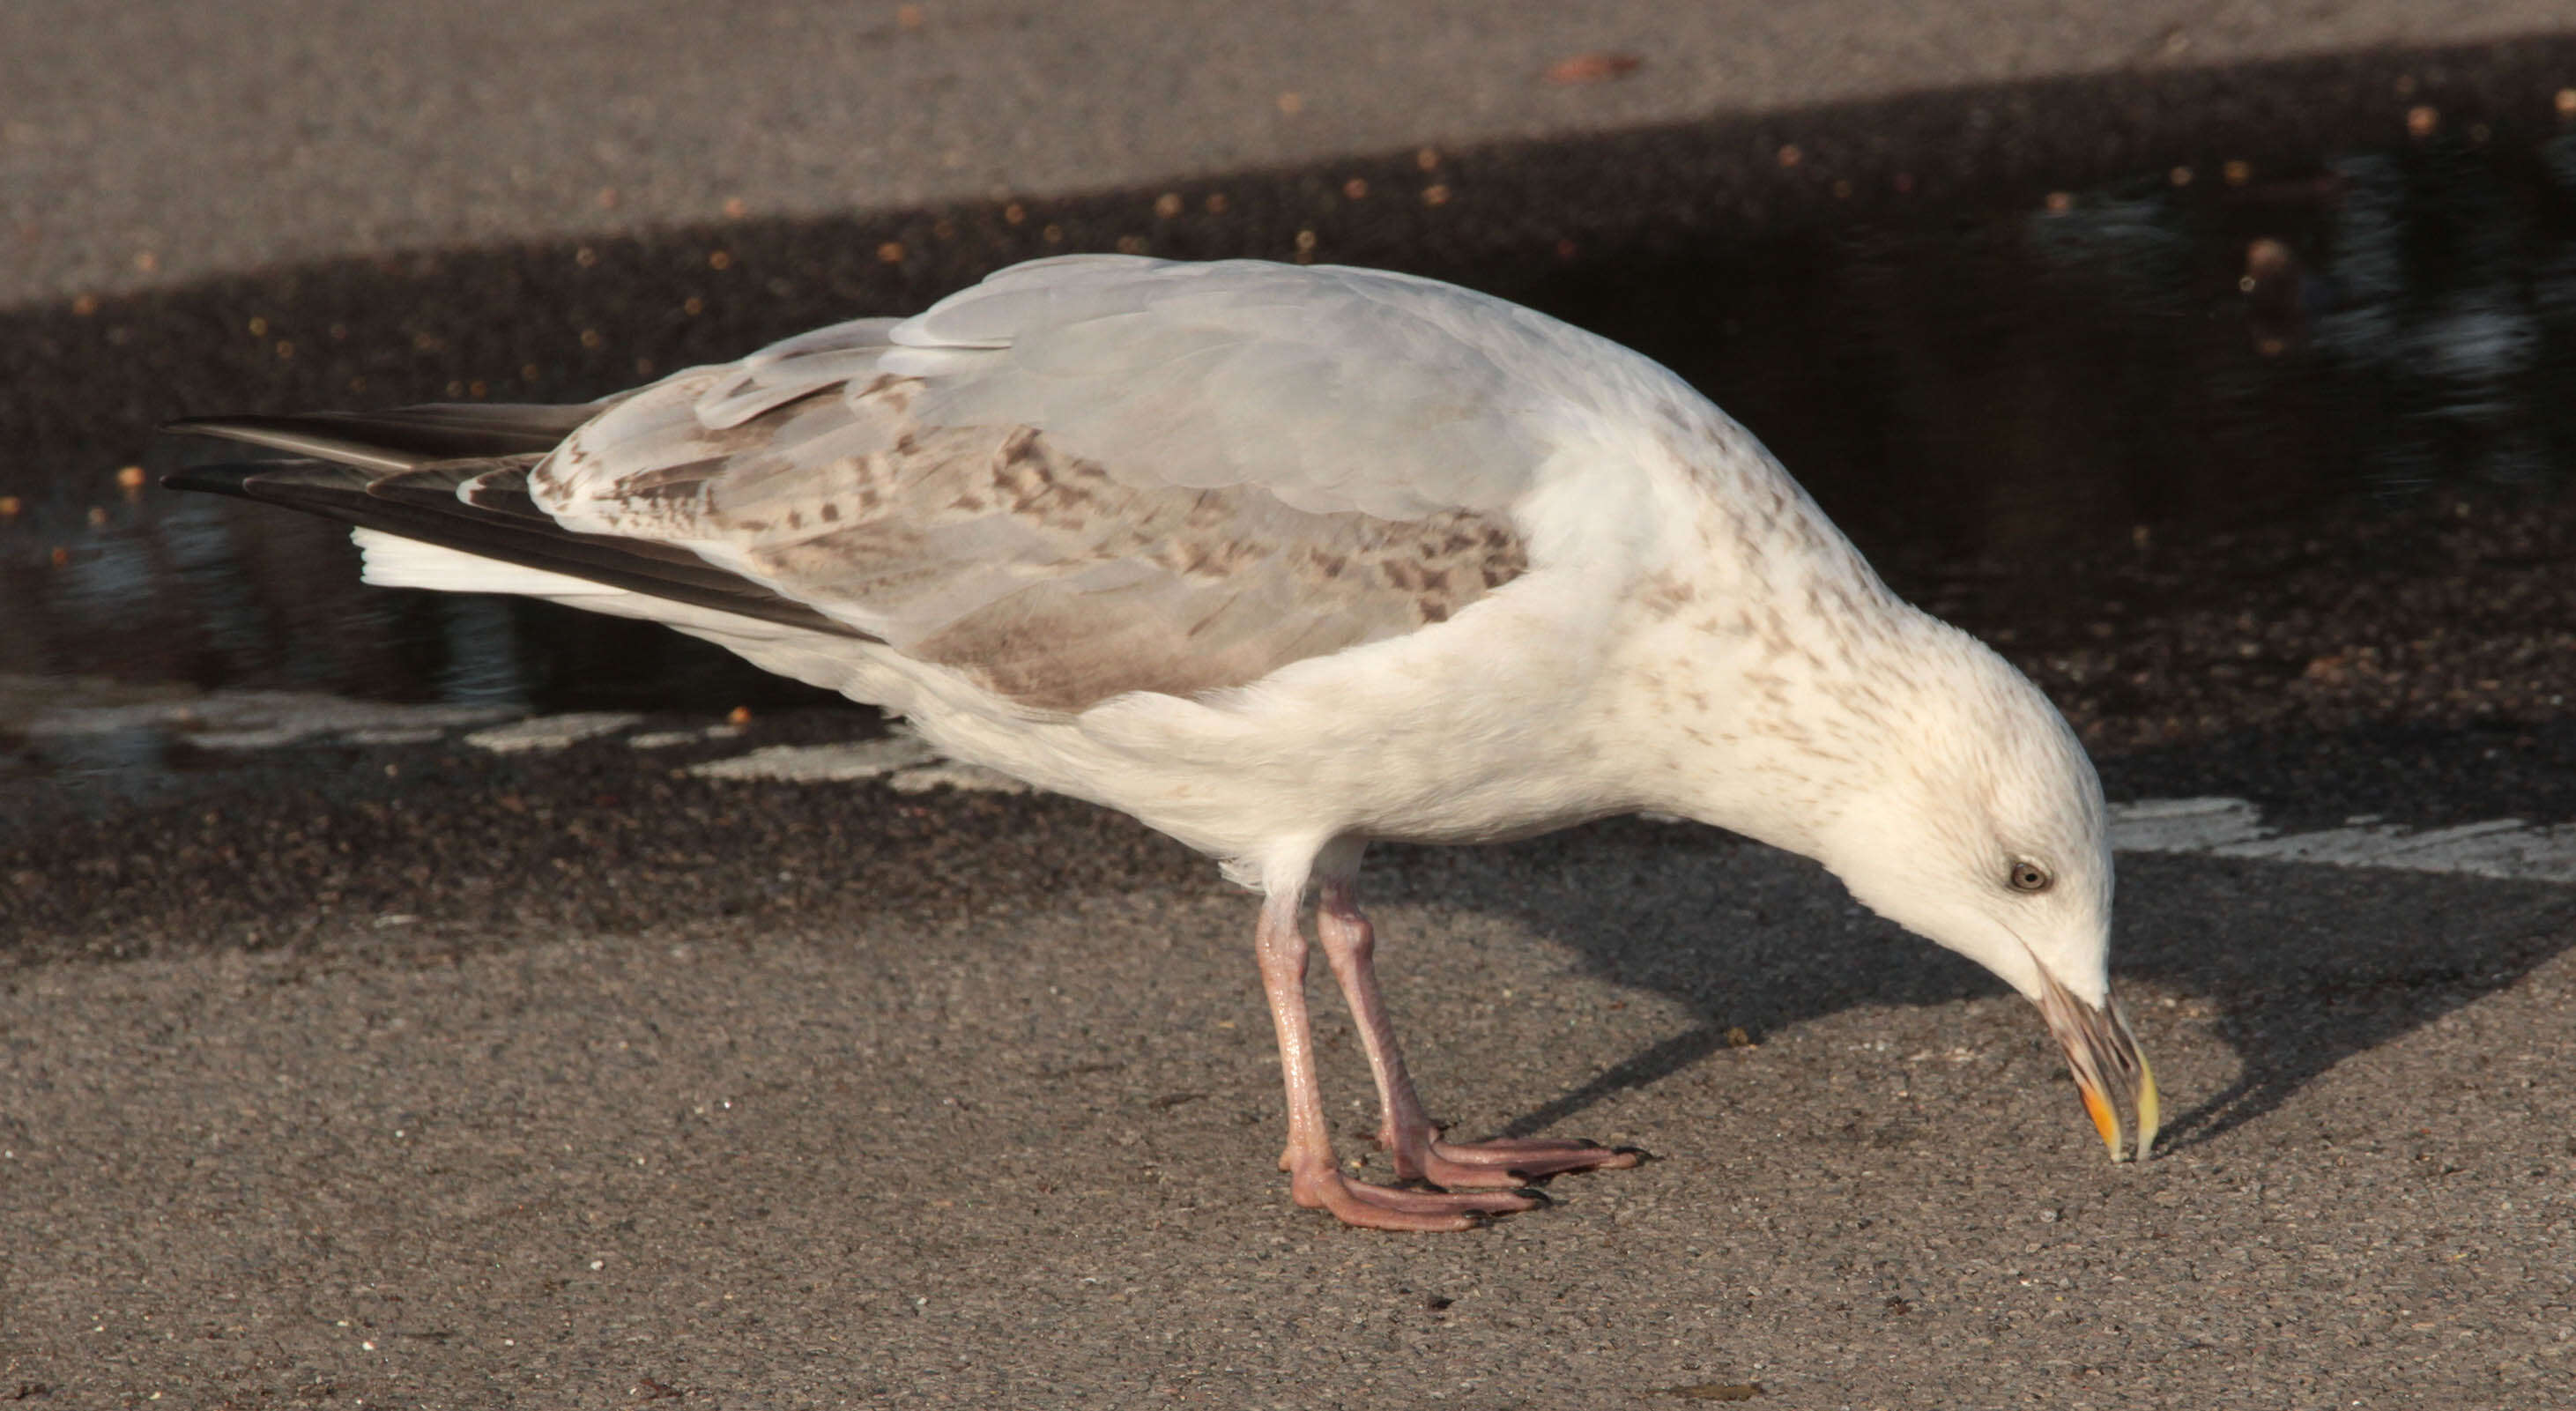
pixel 2301 966
pixel 2306 965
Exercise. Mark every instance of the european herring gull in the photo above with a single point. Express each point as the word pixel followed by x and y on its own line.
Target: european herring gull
pixel 1283 561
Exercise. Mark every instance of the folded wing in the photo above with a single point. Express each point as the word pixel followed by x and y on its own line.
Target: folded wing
pixel 1080 478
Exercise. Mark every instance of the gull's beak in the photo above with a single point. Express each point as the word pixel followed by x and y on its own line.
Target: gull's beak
pixel 2104 1057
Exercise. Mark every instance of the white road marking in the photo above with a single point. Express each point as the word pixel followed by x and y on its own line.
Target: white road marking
pixel 409 735
pixel 905 761
pixel 2182 825
pixel 952 774
pixel 227 720
pixel 551 732
pixel 823 764
pixel 666 739
pixel 2503 847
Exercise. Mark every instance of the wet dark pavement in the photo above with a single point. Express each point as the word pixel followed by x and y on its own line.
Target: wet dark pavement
pixel 1999 331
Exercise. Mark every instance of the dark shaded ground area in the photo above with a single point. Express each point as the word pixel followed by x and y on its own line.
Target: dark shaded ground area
pixel 1986 327
pixel 2451 608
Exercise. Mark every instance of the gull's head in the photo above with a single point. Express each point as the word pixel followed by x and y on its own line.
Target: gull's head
pixel 1975 819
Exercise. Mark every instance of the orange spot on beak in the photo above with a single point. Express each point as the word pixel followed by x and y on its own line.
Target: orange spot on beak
pixel 2106 1120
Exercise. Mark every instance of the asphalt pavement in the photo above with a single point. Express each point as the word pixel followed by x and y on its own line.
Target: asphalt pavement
pixel 432 1077
pixel 417 1075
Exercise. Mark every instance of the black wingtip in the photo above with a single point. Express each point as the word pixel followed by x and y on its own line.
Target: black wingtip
pixel 213 479
pixel 431 514
pixel 229 428
pixel 401 438
pixel 319 435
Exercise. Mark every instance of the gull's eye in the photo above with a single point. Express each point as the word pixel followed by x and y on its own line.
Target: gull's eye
pixel 2028 876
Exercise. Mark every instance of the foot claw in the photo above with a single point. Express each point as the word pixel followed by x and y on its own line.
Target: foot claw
pixel 1509 1163
pixel 1394 1208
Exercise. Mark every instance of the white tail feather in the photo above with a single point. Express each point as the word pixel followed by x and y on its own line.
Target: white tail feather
pixel 396 562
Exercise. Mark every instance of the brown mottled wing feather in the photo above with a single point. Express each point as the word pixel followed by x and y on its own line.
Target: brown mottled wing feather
pixel 991 550
pixel 1058 573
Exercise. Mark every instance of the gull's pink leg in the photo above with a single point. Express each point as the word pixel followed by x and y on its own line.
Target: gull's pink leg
pixel 1314 1180
pixel 1407 1133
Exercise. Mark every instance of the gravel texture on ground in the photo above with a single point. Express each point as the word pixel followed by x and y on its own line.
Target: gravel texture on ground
pixel 527 1081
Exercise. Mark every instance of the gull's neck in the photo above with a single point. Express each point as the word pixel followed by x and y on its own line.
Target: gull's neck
pixel 1768 674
